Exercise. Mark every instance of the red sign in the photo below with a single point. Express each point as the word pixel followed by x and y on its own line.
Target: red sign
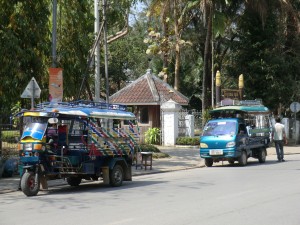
pixel 55 84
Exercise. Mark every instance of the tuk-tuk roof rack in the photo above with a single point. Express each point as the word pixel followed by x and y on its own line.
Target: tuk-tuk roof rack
pixel 81 104
pixel 229 102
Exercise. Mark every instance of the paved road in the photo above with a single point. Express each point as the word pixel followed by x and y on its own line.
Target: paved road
pixel 256 194
pixel 181 158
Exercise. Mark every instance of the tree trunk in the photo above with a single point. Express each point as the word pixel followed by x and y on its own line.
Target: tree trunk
pixel 206 72
pixel 177 48
pixel 165 31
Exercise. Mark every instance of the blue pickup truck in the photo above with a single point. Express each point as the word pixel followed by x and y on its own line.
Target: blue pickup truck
pixel 236 133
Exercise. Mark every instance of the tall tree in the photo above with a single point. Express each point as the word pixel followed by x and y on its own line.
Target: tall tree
pixel 24 47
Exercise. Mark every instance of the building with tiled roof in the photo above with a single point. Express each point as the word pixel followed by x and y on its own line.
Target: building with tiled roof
pixel 148 90
pixel 145 96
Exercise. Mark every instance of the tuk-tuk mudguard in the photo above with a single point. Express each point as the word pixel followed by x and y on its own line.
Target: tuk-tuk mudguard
pixel 114 161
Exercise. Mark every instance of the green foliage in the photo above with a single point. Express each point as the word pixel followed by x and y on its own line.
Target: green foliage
pixel 10 136
pixel 149 148
pixel 24 48
pixel 156 152
pixel 152 136
pixel 15 109
pixel 188 141
pixel 205 116
pixel 263 45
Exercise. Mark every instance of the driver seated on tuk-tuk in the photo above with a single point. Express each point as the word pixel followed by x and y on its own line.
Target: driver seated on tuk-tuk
pixel 51 134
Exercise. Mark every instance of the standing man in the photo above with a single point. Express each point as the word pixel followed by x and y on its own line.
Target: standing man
pixel 279 137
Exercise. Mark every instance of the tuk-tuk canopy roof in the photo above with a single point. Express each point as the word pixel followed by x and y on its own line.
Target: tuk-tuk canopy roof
pixel 242 108
pixel 246 109
pixel 81 109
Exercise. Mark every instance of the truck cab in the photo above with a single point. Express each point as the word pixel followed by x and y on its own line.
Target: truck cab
pixel 236 133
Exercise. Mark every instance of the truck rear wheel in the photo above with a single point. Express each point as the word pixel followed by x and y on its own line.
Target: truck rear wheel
pixel 209 162
pixel 262 155
pixel 29 185
pixel 243 159
pixel 116 176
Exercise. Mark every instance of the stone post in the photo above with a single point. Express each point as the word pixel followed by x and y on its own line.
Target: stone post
pixel 170 111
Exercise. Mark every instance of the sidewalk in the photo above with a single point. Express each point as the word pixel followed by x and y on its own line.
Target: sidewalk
pixel 181 158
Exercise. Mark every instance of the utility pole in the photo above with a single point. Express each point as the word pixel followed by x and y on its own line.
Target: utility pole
pixel 212 59
pixel 97 53
pixel 54 33
pixel 105 50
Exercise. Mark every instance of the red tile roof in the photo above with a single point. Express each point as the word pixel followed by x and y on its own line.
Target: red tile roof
pixel 148 90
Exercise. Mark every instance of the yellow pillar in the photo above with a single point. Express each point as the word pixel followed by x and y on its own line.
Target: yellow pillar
pixel 218 87
pixel 241 86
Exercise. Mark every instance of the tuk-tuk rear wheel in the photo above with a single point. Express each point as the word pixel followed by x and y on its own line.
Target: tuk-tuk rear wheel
pixel 116 176
pixel 73 181
pixel 29 185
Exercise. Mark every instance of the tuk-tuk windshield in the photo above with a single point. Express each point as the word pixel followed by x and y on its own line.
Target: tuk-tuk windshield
pixel 35 130
pixel 219 128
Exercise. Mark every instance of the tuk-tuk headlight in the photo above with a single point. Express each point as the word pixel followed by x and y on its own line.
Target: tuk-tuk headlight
pixel 28 147
pixel 38 146
pixel 230 144
pixel 203 145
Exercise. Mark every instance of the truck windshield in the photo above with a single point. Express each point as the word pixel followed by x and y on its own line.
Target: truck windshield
pixel 35 130
pixel 219 128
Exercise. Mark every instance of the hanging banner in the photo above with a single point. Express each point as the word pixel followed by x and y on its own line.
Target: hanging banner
pixel 55 84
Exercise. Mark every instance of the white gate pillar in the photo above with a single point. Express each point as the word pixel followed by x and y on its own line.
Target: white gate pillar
pixel 296 137
pixel 189 125
pixel 170 111
pixel 286 123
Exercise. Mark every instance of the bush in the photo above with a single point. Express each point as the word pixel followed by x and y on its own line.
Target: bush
pixel 10 136
pixel 152 136
pixel 148 148
pixel 188 141
pixel 156 152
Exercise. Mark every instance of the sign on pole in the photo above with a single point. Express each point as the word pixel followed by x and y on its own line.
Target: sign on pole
pixel 32 91
pixel 55 84
pixel 295 107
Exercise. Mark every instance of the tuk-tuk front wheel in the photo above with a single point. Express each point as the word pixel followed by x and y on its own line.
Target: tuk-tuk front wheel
pixel 30 184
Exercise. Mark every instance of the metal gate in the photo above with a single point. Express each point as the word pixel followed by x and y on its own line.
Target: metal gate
pixel 182 123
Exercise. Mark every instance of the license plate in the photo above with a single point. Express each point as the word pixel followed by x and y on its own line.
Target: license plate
pixel 216 152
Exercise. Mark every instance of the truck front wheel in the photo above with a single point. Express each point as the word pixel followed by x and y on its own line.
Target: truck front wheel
pixel 30 184
pixel 243 159
pixel 209 162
